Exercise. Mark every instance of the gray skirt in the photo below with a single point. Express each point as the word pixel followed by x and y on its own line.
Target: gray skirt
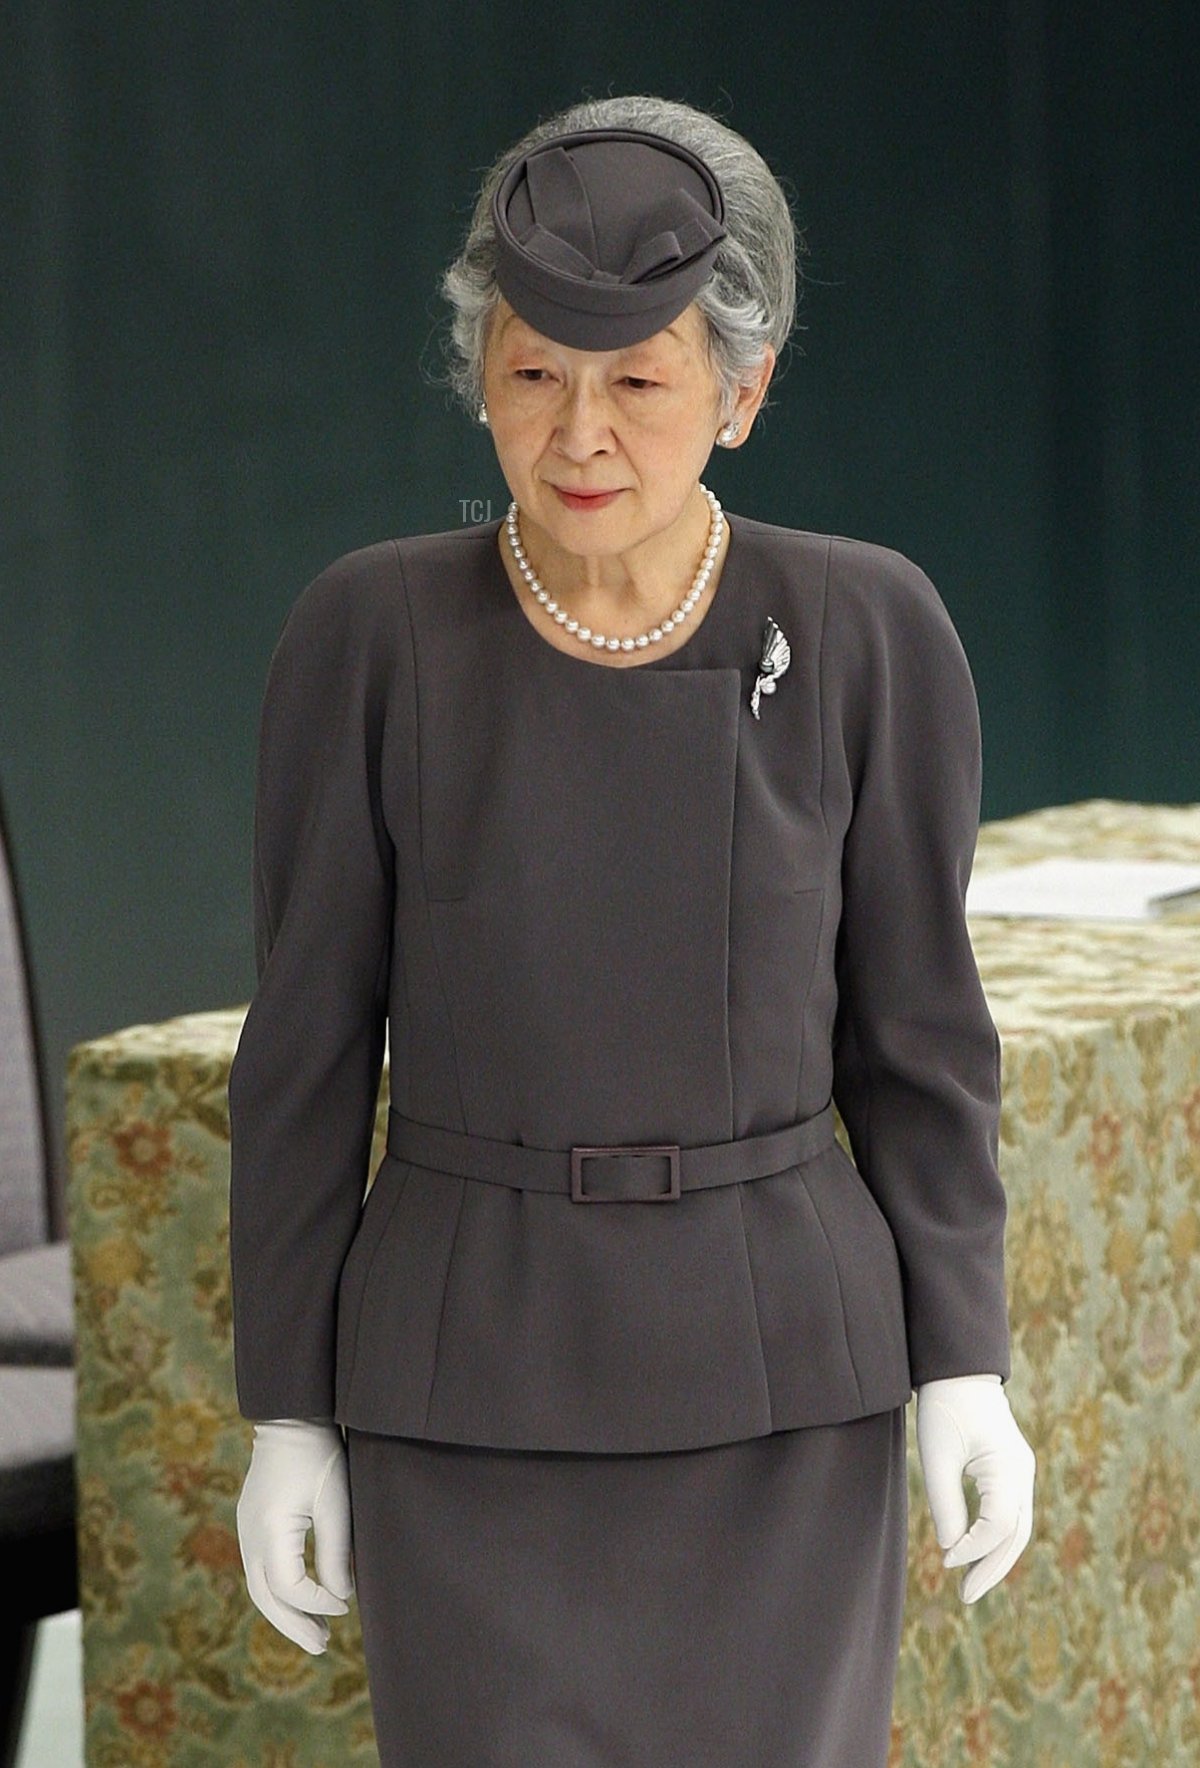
pixel 737 1606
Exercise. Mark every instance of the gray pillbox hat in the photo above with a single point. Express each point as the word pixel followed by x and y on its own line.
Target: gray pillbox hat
pixel 604 236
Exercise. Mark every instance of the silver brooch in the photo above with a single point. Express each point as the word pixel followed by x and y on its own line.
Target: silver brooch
pixel 776 655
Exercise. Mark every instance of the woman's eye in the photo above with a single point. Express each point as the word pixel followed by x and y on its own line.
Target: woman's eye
pixel 639 381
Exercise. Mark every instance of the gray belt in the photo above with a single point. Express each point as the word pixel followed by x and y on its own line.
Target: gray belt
pixel 619 1173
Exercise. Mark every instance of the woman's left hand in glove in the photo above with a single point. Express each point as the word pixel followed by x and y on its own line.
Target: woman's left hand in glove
pixel 965 1426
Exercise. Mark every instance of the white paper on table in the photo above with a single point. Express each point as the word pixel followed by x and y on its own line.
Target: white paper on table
pixel 1086 889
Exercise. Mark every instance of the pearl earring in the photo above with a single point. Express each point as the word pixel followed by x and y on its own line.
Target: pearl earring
pixel 483 414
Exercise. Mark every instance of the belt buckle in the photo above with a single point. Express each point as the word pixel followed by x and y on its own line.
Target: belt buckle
pixel 580 1154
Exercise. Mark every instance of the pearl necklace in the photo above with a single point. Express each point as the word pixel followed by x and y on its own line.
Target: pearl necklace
pixel 584 633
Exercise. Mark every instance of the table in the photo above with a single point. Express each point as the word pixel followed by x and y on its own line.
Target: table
pixel 1089 1651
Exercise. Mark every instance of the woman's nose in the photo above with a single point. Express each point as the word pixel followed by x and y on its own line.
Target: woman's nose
pixel 585 416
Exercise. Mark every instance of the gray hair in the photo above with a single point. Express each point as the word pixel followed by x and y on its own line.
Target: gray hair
pixel 749 300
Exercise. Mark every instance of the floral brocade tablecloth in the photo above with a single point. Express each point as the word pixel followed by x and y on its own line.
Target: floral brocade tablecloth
pixel 1087 1653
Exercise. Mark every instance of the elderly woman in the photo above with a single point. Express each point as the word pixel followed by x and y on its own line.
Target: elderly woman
pixel 643 829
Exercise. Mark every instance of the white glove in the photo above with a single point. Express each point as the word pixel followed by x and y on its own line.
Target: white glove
pixel 965 1425
pixel 297 1476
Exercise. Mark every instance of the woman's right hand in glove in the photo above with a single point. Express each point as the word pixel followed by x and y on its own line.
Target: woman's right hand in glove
pixel 297 1477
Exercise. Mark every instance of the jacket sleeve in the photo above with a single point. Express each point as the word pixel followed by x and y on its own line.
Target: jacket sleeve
pixel 916 1055
pixel 305 1078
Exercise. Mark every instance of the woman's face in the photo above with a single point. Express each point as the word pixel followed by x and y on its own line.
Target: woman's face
pixel 641 421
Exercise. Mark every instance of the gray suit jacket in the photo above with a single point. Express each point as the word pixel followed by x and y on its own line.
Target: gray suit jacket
pixel 594 906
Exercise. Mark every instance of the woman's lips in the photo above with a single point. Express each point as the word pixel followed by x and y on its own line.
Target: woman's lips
pixel 591 501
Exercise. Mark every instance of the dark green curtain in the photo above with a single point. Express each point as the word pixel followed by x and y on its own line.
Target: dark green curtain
pixel 222 231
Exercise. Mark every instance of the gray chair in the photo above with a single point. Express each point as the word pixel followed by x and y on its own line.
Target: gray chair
pixel 37 1377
